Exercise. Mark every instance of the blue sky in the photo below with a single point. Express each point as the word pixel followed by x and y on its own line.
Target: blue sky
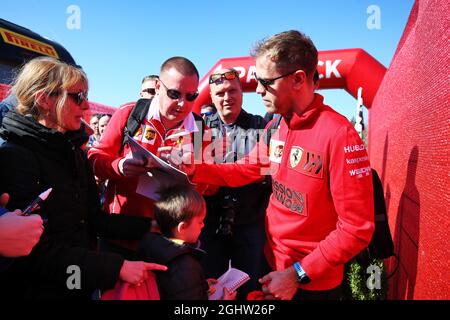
pixel 119 42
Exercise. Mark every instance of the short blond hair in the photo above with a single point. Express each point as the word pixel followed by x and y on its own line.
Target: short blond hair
pixel 45 75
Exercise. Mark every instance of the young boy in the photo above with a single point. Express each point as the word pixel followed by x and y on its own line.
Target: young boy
pixel 180 213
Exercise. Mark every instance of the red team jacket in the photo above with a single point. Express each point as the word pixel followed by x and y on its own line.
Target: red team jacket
pixel 121 196
pixel 321 210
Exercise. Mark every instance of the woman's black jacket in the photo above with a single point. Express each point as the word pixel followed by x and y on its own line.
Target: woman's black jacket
pixel 33 159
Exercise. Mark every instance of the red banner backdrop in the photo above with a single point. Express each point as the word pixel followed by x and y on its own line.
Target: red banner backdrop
pixel 346 69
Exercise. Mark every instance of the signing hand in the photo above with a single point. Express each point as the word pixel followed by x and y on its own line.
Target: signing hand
pixel 211 287
pixel 177 158
pixel 229 295
pixel 130 167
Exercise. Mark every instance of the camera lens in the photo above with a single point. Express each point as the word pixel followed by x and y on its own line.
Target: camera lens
pixel 226 221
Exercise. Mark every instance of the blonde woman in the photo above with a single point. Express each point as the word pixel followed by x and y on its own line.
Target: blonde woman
pixel 42 150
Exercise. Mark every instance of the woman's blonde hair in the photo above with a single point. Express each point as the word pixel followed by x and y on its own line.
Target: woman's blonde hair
pixel 49 76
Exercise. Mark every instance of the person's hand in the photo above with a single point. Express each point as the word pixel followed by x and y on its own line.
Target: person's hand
pixel 177 158
pixel 18 234
pixel 211 287
pixel 4 199
pixel 130 167
pixel 280 284
pixel 136 272
pixel 229 295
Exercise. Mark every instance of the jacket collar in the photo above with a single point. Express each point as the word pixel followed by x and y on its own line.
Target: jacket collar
pixel 243 120
pixel 309 115
pixel 22 129
pixel 163 250
pixel 188 123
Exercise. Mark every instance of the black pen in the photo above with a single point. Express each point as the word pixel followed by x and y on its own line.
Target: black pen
pixel 36 202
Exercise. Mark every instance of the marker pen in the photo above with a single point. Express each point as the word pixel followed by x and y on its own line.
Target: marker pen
pixel 36 202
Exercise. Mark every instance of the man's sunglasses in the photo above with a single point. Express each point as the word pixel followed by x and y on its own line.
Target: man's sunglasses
pixel 268 82
pixel 151 91
pixel 216 78
pixel 207 114
pixel 175 94
pixel 78 97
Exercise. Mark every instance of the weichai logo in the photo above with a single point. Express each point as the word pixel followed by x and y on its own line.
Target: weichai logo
pixel 22 41
pixel 360 172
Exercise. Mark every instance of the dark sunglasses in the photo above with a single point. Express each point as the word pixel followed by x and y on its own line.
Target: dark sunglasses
pixel 207 114
pixel 216 78
pixel 175 94
pixel 151 91
pixel 78 97
pixel 267 82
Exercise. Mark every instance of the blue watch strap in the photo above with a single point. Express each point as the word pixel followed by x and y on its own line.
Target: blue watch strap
pixel 298 268
pixel 302 277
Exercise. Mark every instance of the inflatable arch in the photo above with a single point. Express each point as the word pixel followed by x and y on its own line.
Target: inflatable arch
pixel 346 69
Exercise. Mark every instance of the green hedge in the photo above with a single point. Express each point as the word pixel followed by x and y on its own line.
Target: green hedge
pixel 354 286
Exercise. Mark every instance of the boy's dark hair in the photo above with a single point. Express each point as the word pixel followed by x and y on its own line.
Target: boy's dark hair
pixel 177 204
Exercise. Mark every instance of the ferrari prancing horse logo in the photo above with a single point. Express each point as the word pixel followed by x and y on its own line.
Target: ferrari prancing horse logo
pixel 296 156
pixel 306 162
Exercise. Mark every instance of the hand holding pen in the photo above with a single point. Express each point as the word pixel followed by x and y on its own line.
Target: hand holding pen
pixel 18 233
pixel 36 204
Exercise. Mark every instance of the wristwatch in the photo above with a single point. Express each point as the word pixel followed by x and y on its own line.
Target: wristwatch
pixel 302 277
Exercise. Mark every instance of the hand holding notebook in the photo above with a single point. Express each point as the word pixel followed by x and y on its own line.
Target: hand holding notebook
pixel 232 280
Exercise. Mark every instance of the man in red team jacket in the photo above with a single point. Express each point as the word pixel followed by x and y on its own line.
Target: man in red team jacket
pixel 169 114
pixel 320 213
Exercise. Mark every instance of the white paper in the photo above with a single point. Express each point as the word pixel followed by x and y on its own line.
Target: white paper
pixel 160 174
pixel 232 279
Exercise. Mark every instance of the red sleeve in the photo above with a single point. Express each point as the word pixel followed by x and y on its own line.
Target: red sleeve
pixel 104 155
pixel 253 167
pixel 352 192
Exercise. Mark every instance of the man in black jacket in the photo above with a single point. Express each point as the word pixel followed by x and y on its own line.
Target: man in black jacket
pixel 234 225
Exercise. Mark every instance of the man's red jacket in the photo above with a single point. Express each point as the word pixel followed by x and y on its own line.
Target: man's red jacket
pixel 121 196
pixel 321 208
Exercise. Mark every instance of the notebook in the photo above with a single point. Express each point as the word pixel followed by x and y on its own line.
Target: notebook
pixel 232 279
pixel 160 174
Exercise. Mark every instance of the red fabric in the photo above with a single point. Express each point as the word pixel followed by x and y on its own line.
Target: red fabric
pixel 148 290
pixel 320 212
pixel 346 69
pixel 121 196
pixel 4 90
pixel 409 134
pixel 256 295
